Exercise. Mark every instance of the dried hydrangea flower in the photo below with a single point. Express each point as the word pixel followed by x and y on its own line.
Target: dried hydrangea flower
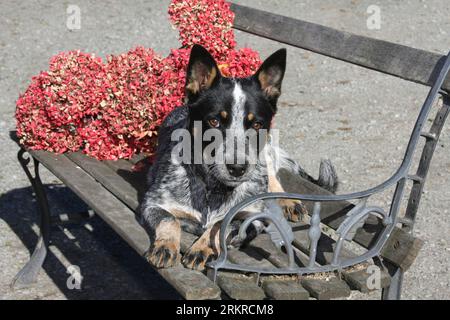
pixel 113 109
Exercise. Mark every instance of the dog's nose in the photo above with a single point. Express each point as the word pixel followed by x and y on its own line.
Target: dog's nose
pixel 236 170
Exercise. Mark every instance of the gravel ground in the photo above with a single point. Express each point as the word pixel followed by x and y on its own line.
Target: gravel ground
pixel 358 118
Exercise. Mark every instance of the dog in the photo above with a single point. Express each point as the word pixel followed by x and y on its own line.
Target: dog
pixel 196 196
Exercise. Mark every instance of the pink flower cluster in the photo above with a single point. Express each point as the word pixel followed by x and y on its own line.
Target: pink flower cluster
pixel 113 109
pixel 107 110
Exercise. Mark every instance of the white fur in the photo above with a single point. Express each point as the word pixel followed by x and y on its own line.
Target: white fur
pixel 239 98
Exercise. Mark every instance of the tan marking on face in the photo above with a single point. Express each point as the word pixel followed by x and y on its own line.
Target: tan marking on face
pixel 224 114
pixel 250 116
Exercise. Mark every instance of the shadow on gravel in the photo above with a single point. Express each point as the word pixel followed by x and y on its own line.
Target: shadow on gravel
pixel 110 268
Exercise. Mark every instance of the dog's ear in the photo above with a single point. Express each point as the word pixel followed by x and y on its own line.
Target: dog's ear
pixel 202 71
pixel 270 75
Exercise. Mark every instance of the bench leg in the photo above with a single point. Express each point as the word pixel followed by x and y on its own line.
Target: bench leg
pixel 394 291
pixel 29 272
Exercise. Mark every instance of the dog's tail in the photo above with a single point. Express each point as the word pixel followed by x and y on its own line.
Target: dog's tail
pixel 328 178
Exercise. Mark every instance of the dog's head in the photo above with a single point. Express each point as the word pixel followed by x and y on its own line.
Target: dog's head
pixel 226 114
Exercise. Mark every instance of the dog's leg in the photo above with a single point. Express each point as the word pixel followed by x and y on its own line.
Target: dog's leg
pixel 203 250
pixel 293 209
pixel 165 233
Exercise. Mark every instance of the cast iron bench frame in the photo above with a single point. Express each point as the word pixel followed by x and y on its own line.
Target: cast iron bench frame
pixel 112 190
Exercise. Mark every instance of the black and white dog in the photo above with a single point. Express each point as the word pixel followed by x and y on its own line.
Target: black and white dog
pixel 196 195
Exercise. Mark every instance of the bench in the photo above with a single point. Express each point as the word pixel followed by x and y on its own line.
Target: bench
pixel 308 266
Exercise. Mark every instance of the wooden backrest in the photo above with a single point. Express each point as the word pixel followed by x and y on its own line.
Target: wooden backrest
pixel 398 60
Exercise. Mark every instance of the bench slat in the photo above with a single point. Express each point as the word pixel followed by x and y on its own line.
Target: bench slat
pixel 248 257
pixel 240 287
pixel 398 60
pixel 325 289
pixel 124 168
pixel 265 247
pixel 285 290
pixel 191 284
pixel 120 187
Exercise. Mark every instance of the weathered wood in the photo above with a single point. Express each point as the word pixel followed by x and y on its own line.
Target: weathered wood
pixel 120 164
pixel 359 279
pixel 248 257
pixel 260 251
pixel 191 284
pixel 265 247
pixel 325 289
pixel 124 168
pixel 398 60
pixel 122 220
pixel 108 178
pixel 325 245
pixel 401 247
pixel 187 239
pixel 285 290
pixel 356 279
pixel 118 179
pixel 325 249
pixel 240 287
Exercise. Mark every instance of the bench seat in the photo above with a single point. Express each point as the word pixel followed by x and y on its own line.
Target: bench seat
pixel 112 189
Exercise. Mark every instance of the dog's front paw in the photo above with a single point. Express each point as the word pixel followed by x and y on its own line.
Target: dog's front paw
pixel 163 254
pixel 293 209
pixel 197 257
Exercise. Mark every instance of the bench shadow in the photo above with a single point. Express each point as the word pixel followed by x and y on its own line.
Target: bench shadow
pixel 111 269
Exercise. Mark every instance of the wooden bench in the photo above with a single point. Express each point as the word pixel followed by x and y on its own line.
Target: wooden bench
pixel 113 190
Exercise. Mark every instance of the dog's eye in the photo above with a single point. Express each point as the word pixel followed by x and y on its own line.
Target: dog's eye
pixel 257 125
pixel 214 123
